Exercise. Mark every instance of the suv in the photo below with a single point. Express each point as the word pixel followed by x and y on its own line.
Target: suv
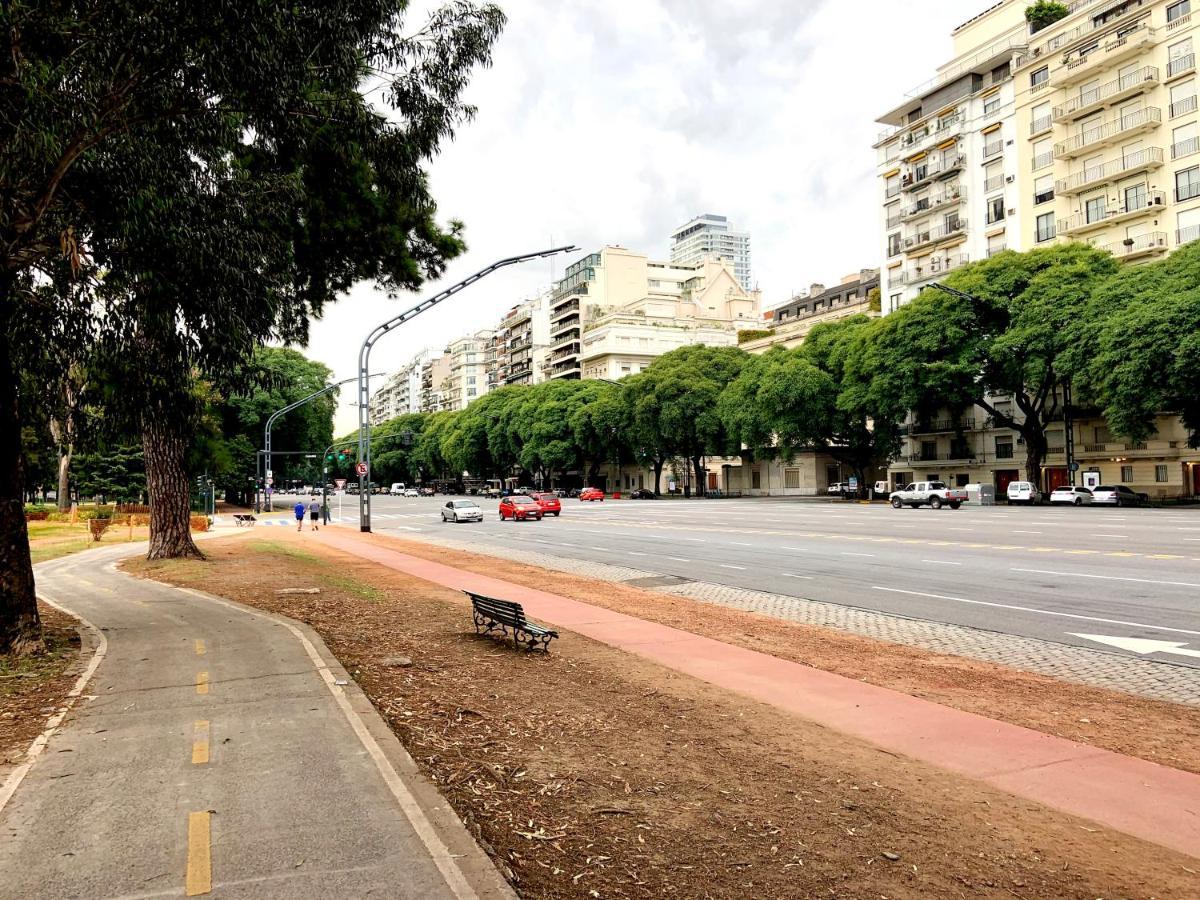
pixel 1118 495
pixel 1023 492
pixel 935 494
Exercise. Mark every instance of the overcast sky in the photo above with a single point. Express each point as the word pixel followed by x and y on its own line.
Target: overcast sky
pixel 614 122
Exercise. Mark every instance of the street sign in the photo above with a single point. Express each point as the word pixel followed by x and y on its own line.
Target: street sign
pixel 1074 467
pixel 270 481
pixel 361 468
pixel 269 474
pixel 853 483
pixel 339 483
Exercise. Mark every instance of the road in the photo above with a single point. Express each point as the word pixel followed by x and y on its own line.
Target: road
pixel 1126 575
pixel 221 750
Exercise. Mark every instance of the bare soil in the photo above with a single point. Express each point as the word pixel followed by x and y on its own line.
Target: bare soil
pixel 34 688
pixel 592 773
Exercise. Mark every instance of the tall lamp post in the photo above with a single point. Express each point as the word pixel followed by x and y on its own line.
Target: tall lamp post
pixel 364 357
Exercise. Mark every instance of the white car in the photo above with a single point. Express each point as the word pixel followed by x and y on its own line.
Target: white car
pixel 1024 492
pixel 412 492
pixel 397 488
pixel 462 511
pixel 1075 496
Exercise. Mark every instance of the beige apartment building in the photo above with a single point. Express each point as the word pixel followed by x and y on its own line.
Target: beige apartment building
pixel 791 322
pixel 1106 151
pixel 523 342
pixel 434 374
pixel 468 378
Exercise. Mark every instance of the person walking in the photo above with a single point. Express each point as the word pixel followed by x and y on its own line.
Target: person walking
pixel 314 514
pixel 299 511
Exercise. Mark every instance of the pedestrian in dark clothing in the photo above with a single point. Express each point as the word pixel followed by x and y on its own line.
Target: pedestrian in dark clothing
pixel 314 514
pixel 299 511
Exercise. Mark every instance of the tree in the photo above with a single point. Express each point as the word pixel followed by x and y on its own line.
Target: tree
pixel 162 141
pixel 1019 327
pixel 598 428
pixel 1147 359
pixel 1044 13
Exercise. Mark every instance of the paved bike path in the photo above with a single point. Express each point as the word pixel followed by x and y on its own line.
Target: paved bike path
pixel 214 751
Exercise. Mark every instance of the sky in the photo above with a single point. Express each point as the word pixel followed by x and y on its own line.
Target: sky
pixel 614 122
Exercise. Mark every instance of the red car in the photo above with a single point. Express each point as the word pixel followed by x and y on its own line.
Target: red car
pixel 521 507
pixel 592 494
pixel 549 504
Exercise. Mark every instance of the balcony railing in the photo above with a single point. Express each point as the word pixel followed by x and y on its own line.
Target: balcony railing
pixel 1109 92
pixel 1071 35
pixel 938 426
pixel 1037 126
pixel 1139 205
pixel 935 234
pixel 1183 106
pixel 953 195
pixel 933 269
pixel 563 308
pixel 1131 123
pixel 992 148
pixel 1082 64
pixel 999 248
pixel 931 133
pixel 994 183
pixel 1142 245
pixel 1181 64
pixel 1147 158
pixel 934 169
pixel 1187 235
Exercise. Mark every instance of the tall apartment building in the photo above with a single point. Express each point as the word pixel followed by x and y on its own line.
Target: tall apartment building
pixel 435 373
pixel 711 235
pixel 948 164
pixel 524 339
pixel 468 377
pixel 401 393
pixel 710 307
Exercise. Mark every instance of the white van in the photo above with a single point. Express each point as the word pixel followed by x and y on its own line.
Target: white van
pixel 1023 492
pixel 397 487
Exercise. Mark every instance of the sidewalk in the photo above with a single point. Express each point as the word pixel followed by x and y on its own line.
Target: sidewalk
pixel 220 749
pixel 1148 801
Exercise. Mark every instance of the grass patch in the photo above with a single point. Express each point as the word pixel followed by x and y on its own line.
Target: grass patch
pixel 280 549
pixel 50 540
pixel 352 586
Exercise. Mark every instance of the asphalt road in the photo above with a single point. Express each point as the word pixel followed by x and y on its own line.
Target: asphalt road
pixel 1127 575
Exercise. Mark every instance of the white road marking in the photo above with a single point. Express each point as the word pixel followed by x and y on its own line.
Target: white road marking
pixel 1111 578
pixel 1124 536
pixel 678 559
pixel 802 550
pixel 1030 609
pixel 739 568
pixel 739 544
pixel 848 553
pixel 790 575
pixel 941 562
pixel 635 553
pixel 1026 532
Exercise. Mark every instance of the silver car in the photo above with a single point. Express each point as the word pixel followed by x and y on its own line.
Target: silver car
pixel 462 511
pixel 1118 495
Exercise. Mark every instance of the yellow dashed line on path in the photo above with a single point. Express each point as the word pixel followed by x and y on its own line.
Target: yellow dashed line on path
pixel 201 682
pixel 1082 552
pixel 1163 556
pixel 199 647
pixel 199 854
pixel 200 743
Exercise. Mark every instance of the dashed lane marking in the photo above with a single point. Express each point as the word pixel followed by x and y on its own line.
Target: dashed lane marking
pixel 1113 578
pixel 200 648
pixel 791 575
pixel 200 743
pixel 201 682
pixel 199 854
pixel 739 568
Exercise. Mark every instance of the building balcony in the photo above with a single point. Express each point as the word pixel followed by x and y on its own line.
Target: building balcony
pixel 1110 132
pixel 930 134
pixel 935 235
pixel 571 334
pixel 934 269
pixel 1081 66
pixel 1111 92
pixel 1130 164
pixel 1139 247
pixel 563 308
pixel 1128 450
pixel 567 351
pixel 923 173
pixel 560 325
pixel 963 455
pixel 1151 202
pixel 1187 235
pixel 951 196
pixel 1074 35
pixel 1181 65
pixel 942 426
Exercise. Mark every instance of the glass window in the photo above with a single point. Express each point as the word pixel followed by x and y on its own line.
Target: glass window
pixel 1127 473
pixel 1004 448
pixel 1160 473
pixel 1184 140
pixel 1094 209
pixel 1135 197
pixel 1043 189
pixel 1187 184
pixel 1178 10
pixel 1040 118
pixel 995 211
pixel 791 478
pixel 991 104
pixel 1043 153
pixel 1045 227
pixel 1041 76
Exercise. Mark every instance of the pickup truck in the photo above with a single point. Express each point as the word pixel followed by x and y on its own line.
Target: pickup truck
pixel 933 493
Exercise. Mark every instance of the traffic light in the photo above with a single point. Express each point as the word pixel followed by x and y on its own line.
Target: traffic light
pixel 342 456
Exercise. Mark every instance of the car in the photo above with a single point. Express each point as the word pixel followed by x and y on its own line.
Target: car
pixel 1072 495
pixel 643 494
pixel 411 492
pixel 591 493
pixel 934 494
pixel 837 489
pixel 425 492
pixel 462 511
pixel 384 489
pixel 549 503
pixel 1118 495
pixel 519 507
pixel 397 488
pixel 1024 492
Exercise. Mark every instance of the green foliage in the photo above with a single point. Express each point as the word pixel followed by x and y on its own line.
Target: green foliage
pixel 118 474
pixel 753 334
pixel 875 300
pixel 1044 13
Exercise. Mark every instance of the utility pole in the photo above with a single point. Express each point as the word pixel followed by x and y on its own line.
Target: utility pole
pixel 364 357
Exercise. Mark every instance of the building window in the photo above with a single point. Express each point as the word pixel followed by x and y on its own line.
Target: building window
pixel 1041 119
pixel 1004 448
pixel 1126 474
pixel 995 211
pixel 1160 473
pixel 1045 227
pixel 1135 198
pixel 1183 98
pixel 1187 184
pixel 755 479
pixel 895 301
pixel 1039 77
pixel 991 104
pixel 1043 189
pixel 1178 10
pixel 791 478
pixel 1043 154
pixel 1184 140
pixel 1094 209
pixel 894 244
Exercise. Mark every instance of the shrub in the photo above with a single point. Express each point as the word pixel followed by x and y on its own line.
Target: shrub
pixel 36 513
pixel 753 334
pixel 1044 13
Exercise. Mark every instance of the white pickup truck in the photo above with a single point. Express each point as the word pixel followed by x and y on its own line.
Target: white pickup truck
pixel 935 494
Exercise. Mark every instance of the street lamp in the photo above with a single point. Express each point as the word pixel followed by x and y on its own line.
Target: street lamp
pixel 364 356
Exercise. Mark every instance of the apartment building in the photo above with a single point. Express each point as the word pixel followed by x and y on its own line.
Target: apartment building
pixel 710 308
pixel 435 373
pixel 523 342
pixel 712 235
pixel 947 164
pixel 790 323
pixel 472 358
pixel 401 393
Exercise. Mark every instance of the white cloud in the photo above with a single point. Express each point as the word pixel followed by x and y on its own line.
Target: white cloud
pixel 613 122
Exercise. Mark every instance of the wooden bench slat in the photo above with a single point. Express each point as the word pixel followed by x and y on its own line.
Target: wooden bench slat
pixel 490 612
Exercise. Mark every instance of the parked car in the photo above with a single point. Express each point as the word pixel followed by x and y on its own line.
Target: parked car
pixel 574 492
pixel 1076 496
pixel 462 511
pixel 549 503
pixel 425 492
pixel 642 494
pixel 520 507
pixel 591 493
pixel 1118 495
pixel 1024 492
pixel 411 492
pixel 837 489
pixel 397 488
pixel 934 494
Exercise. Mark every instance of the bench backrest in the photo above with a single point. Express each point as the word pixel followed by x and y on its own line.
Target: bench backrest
pixel 504 611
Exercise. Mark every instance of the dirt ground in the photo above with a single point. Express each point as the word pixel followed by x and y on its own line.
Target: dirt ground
pixel 32 689
pixel 591 773
pixel 1167 733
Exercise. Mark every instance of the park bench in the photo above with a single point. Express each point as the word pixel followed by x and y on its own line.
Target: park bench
pixel 243 519
pixel 509 619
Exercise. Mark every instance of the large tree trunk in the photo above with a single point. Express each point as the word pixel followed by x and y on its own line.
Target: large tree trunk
pixel 167 482
pixel 20 626
pixel 658 467
pixel 698 468
pixel 1036 446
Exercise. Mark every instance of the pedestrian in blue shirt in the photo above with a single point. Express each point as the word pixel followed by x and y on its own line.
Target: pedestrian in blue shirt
pixel 299 511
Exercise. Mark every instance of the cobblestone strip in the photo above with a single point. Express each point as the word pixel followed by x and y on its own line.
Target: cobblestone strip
pixel 1097 668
